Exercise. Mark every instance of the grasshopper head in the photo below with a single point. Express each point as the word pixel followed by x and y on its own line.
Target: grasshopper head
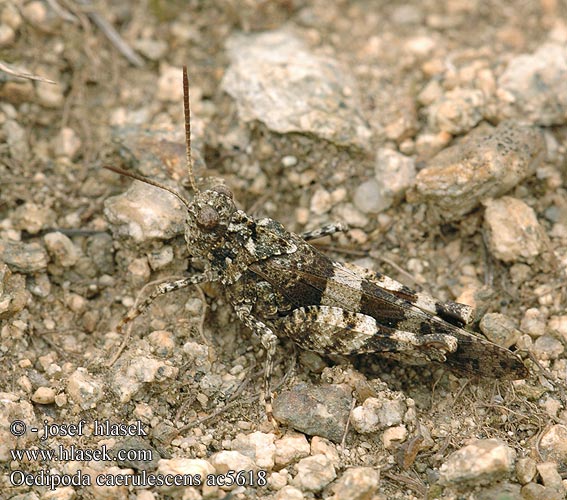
pixel 208 217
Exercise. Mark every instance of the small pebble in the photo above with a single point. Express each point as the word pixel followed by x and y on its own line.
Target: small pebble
pixel 61 248
pixel 159 259
pixel 197 354
pixel 44 396
pixel 145 213
pixel 320 445
pixel 367 197
pixel 278 480
pixel 289 493
pixel 321 202
pixel 289 161
pixel 35 12
pixel 356 483
pixel 533 87
pixel 320 410
pixel 23 257
pixel 428 145
pixel 49 95
pixel 33 218
pixel 76 302
pixel 393 436
pixel 351 215
pixel 378 413
pixel 457 111
pixel 59 493
pixel 67 143
pixel 500 329
pixel 13 293
pixel 550 475
pixel 558 326
pixel 547 347
pixel 163 342
pixel 394 174
pixel 258 446
pixel 139 271
pixel 7 35
pixel 142 495
pixel 11 15
pixel 513 231
pixel 154 50
pixel 290 448
pixel 16 138
pixel 525 470
pixel 533 322
pixel 481 462
pixel 182 466
pixel 314 473
pixel 84 389
pixel 223 461
pixel 401 119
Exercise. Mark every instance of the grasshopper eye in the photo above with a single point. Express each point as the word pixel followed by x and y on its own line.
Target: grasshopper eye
pixel 222 189
pixel 208 218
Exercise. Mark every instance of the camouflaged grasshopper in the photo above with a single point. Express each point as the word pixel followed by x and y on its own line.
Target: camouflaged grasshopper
pixel 280 285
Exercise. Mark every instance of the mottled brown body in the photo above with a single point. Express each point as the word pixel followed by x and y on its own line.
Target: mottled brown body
pixel 280 285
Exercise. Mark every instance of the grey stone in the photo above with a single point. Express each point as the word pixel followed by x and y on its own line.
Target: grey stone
pixel 394 173
pixel 547 347
pixel 534 86
pixel 480 462
pixel 13 293
pixel 500 491
pixel 275 79
pixel 315 410
pixel 378 413
pixel 61 248
pixel 23 257
pixel 525 469
pixel 145 213
pixel 84 389
pixel 513 231
pixel 314 473
pixel 485 164
pixel 33 218
pixel 258 446
pixel 457 111
pixel 17 140
pixel 367 197
pixel 357 483
pixel 160 150
pixel 500 329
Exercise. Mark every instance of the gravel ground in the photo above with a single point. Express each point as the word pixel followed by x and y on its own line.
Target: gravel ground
pixel 437 132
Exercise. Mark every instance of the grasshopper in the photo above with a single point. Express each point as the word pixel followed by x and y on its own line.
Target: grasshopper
pixel 280 285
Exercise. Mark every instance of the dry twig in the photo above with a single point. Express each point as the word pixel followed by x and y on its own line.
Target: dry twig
pixel 20 73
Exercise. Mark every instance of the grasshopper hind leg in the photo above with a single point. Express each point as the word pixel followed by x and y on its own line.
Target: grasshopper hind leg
pixel 269 342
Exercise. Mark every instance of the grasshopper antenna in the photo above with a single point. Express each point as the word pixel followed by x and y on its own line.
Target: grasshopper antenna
pixel 188 155
pixel 151 182
pixel 187 114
